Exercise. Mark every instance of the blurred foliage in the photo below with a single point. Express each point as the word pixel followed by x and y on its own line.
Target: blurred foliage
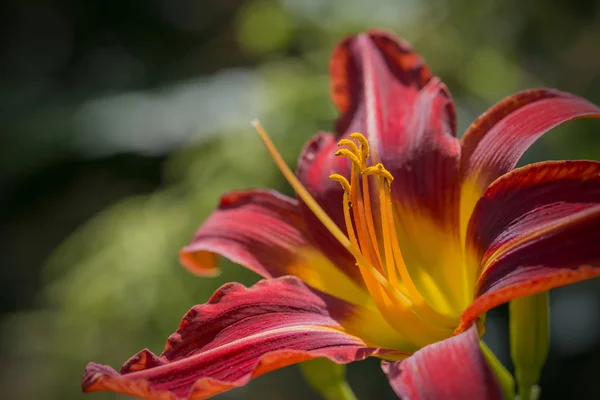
pixel 124 121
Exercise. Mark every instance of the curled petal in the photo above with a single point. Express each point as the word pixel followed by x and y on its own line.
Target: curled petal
pixel 562 187
pixel 367 71
pixel 455 368
pixel 494 143
pixel 238 335
pixel 270 215
pixel 548 247
pixel 496 140
pixel 264 231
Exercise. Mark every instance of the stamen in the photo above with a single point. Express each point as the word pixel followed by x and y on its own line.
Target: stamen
pixel 385 227
pixel 365 151
pixel 361 218
pixel 379 170
pixel 351 146
pixel 386 215
pixel 396 308
pixel 364 144
pixel 425 309
pixel 367 274
pixel 349 154
pixel 342 181
pixel 386 297
pixel 365 241
pixel 369 214
pixel 312 204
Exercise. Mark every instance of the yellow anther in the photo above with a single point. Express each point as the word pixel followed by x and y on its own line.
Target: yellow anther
pixel 342 181
pixel 364 144
pixel 379 170
pixel 351 146
pixel 350 155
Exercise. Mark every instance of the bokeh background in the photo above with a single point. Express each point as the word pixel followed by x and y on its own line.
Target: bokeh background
pixel 122 122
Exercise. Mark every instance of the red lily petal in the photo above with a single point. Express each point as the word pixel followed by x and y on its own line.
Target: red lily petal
pixel 426 196
pixel 360 65
pixel 384 90
pixel 454 368
pixel 263 231
pixel 360 68
pixel 238 335
pixel 494 143
pixel 246 220
pixel 524 189
pixel 550 246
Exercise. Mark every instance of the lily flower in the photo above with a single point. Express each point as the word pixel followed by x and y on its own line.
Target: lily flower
pixel 400 240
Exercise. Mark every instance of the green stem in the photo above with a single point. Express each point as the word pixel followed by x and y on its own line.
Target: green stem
pixel 529 341
pixel 339 391
pixel 328 379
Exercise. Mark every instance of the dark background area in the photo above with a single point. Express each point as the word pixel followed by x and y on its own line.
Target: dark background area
pixel 121 123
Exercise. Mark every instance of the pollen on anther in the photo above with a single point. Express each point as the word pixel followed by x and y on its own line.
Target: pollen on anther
pixel 364 144
pixel 379 170
pixel 350 155
pixel 342 181
pixel 351 146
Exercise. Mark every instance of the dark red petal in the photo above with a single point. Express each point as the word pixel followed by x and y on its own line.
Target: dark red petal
pixel 574 184
pixel 424 156
pixel 556 236
pixel 550 246
pixel 238 335
pixel 362 66
pixel 264 231
pixel 454 368
pixel 385 92
pixel 375 79
pixel 496 140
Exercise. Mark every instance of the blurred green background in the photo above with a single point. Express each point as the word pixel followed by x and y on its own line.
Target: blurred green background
pixel 122 122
